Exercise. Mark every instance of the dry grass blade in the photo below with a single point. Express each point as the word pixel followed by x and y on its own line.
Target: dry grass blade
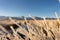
pixel 1 27
pixel 57 16
pixel 32 32
pixel 58 21
pixel 45 22
pixel 30 27
pixel 49 31
pixel 35 20
pixel 15 34
pixel 37 23
pixel 22 30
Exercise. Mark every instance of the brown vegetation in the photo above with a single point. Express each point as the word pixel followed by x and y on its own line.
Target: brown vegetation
pixel 30 29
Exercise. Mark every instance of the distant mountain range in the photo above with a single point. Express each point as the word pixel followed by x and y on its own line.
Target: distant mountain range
pixel 22 18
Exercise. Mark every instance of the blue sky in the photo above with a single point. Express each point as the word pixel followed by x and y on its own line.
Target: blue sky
pixel 34 7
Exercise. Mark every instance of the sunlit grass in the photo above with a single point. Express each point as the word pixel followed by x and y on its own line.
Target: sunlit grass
pixel 35 30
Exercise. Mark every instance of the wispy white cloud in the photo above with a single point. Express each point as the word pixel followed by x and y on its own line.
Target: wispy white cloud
pixel 59 1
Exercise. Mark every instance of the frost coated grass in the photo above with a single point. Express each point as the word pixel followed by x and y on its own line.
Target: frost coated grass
pixel 36 30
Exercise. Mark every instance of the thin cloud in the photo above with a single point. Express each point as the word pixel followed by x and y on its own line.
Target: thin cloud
pixel 59 1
